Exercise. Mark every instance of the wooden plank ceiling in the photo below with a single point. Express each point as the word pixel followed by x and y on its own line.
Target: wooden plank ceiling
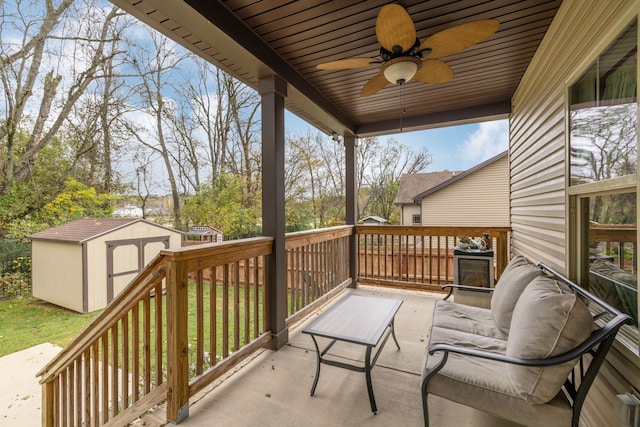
pixel 254 38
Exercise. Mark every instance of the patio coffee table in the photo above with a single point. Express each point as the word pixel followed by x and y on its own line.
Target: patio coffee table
pixel 357 319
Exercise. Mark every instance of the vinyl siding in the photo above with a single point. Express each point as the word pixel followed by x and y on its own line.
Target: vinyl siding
pixel 479 199
pixel 580 31
pixel 408 211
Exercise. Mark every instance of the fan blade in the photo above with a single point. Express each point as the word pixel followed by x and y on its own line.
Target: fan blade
pixel 453 40
pixel 349 63
pixel 433 71
pixel 374 85
pixel 394 27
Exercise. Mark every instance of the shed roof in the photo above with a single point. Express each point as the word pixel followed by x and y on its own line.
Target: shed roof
pixel 415 183
pixel 459 176
pixel 374 218
pixel 86 229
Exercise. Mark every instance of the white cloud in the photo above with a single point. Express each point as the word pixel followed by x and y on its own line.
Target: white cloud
pixel 490 139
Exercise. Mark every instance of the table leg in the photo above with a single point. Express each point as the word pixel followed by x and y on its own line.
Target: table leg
pixel 315 381
pixel 393 333
pixel 367 373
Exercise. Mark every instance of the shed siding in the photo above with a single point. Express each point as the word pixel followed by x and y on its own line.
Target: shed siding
pixel 537 161
pixel 56 273
pixel 480 199
pixel 97 256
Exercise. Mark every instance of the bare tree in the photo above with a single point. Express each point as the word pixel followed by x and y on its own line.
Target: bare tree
pixel 31 82
pixel 206 93
pixel 245 160
pixel 154 71
pixel 380 167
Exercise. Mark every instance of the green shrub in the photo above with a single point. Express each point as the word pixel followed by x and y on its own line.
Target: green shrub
pixel 14 284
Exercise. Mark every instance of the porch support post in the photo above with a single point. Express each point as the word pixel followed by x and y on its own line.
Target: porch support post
pixel 177 342
pixel 273 90
pixel 351 199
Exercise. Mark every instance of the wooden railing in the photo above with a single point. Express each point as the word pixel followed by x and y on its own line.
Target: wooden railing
pixel 195 312
pixel 418 257
pixel 185 320
pixel 317 267
pixel 616 238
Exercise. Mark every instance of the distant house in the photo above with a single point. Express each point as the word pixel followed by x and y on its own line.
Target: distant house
pixel 412 184
pixel 84 264
pixel 373 219
pixel 128 211
pixel 476 197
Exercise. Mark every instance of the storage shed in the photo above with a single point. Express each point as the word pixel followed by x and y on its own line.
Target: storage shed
pixel 84 264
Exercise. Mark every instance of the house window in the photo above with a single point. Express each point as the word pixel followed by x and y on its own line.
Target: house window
pixel 603 180
pixel 417 219
pixel 603 112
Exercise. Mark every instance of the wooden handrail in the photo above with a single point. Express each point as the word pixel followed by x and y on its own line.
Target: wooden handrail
pixel 309 237
pixel 141 285
pixel 418 257
pixel 96 376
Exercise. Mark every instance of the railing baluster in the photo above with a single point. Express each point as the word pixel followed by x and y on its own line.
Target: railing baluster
pixel 65 397
pixel 104 377
pixel 146 342
pixel 256 298
pixel 236 305
pixel 199 322
pixel 135 353
pixel 125 362
pixel 247 307
pixel 213 322
pixel 158 349
pixel 95 385
pixel 225 310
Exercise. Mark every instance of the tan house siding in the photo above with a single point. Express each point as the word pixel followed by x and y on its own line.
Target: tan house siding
pixel 407 213
pixel 538 169
pixel 479 199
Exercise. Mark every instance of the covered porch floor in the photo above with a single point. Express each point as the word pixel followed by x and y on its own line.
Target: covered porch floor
pixel 272 389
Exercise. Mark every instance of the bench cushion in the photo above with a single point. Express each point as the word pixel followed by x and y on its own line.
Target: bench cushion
pixel 466 318
pixel 483 384
pixel 516 276
pixel 548 320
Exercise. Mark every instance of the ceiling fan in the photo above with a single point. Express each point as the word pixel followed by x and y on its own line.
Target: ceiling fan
pixel 401 52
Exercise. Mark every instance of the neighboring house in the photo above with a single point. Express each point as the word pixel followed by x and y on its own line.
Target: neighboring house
pixel 128 211
pixel 476 197
pixel 84 264
pixel 412 184
pixel 373 220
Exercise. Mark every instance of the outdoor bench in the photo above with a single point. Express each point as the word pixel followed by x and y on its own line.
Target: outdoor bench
pixel 519 358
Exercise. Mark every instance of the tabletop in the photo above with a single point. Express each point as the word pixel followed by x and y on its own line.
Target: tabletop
pixel 359 319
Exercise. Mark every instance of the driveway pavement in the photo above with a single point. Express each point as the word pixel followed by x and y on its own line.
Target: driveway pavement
pixel 20 393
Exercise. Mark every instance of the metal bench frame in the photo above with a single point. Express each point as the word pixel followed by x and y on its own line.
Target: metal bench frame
pixel 608 318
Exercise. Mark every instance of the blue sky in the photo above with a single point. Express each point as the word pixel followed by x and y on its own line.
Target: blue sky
pixel 452 148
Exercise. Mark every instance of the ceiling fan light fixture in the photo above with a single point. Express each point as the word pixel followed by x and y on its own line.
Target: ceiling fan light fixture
pixel 400 72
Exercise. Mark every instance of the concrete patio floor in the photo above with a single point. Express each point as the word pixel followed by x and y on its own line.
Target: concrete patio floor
pixel 273 388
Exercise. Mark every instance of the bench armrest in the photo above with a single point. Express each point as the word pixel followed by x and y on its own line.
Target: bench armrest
pixel 597 337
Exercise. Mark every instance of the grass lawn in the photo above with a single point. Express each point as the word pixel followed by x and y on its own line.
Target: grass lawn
pixel 27 321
